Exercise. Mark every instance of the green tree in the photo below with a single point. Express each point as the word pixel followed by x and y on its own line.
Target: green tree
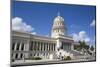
pixel 82 46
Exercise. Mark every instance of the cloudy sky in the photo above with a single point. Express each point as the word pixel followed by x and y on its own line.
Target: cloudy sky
pixel 37 18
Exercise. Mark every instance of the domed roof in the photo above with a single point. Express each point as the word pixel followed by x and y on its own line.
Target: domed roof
pixel 58 22
pixel 58 26
pixel 59 18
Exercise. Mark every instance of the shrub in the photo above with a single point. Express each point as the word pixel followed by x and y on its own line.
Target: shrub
pixel 67 58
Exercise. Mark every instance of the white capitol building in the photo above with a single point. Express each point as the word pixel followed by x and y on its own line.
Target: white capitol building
pixel 26 45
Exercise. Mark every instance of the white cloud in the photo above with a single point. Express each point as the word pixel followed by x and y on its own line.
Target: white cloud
pixel 81 36
pixel 33 33
pixel 93 23
pixel 75 37
pixel 47 35
pixel 19 25
pixel 93 41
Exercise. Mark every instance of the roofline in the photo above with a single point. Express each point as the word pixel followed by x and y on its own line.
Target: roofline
pixel 33 34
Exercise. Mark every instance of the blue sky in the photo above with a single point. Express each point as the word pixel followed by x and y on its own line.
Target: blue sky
pixel 40 16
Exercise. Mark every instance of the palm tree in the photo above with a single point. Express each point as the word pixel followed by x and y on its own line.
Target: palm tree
pixel 83 46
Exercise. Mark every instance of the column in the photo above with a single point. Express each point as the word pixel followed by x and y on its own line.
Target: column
pixel 20 49
pixel 58 45
pixel 52 46
pixel 49 46
pixel 42 46
pixel 67 46
pixel 20 46
pixel 15 47
pixel 45 46
pixel 26 48
pixel 72 47
pixel 37 46
pixel 33 45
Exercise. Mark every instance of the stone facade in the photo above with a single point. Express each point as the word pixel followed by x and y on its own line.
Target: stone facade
pixel 26 45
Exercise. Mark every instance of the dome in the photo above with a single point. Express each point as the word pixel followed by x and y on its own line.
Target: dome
pixel 58 22
pixel 59 19
pixel 58 26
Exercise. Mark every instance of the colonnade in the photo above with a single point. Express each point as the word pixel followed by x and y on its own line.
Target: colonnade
pixel 42 46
